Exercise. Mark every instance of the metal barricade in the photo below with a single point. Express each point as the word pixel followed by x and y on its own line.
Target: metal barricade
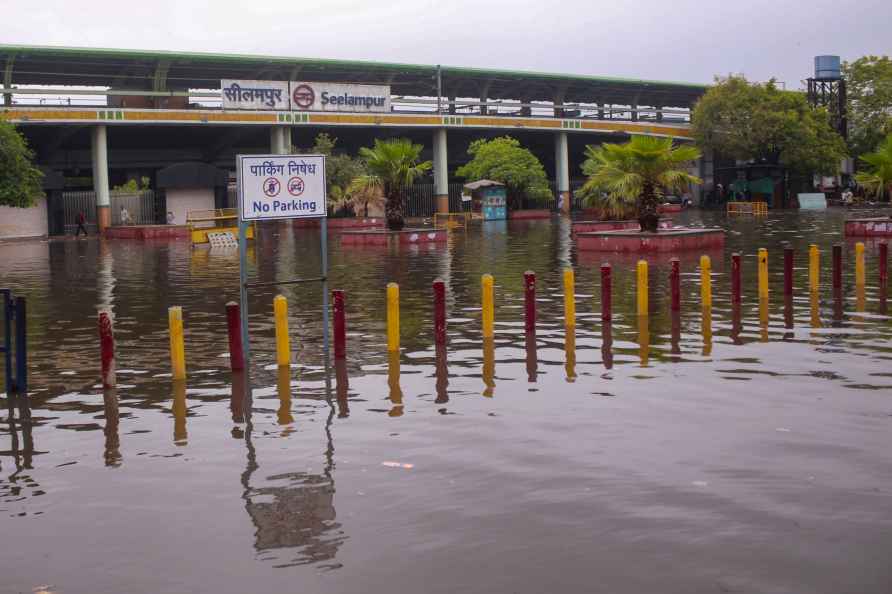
pixel 14 317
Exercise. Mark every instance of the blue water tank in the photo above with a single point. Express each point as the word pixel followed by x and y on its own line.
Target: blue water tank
pixel 827 68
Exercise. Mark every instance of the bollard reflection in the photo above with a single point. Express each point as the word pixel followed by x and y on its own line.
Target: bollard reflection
pixel 788 315
pixel 570 354
pixel 837 304
pixel 342 385
pixel 860 300
pixel 643 340
pixel 237 396
pixel 283 389
pixel 112 421
pixel 442 372
pixel 882 296
pixel 607 344
pixel 22 454
pixel 532 357
pixel 736 323
pixel 763 318
pixel 675 335
pixel 179 412
pixel 393 382
pixel 489 366
pixel 706 329
pixel 814 304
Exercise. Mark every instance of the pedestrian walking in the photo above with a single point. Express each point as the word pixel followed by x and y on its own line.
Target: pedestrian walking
pixel 81 220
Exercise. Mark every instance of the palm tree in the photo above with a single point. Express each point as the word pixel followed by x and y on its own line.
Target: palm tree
pixel 392 165
pixel 878 178
pixel 634 175
pixel 364 191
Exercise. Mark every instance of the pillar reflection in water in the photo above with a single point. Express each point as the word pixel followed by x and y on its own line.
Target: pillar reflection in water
pixel 607 344
pixel 706 329
pixel 342 385
pixel 736 324
pixel 532 357
pixel 837 304
pixel 675 336
pixel 22 452
pixel 489 366
pixel 763 318
pixel 112 420
pixel 393 383
pixel 442 372
pixel 283 389
pixel 643 340
pixel 237 396
pixel 179 412
pixel 788 316
pixel 860 300
pixel 882 296
pixel 570 354
pixel 814 306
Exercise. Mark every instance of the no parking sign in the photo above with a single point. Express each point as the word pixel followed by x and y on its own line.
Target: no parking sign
pixel 281 187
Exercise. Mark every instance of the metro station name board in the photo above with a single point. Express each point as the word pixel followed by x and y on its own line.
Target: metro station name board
pixel 281 187
pixel 304 96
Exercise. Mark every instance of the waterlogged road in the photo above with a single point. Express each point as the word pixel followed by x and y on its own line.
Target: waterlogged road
pixel 748 454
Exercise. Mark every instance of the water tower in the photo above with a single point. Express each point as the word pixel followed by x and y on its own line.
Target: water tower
pixel 828 89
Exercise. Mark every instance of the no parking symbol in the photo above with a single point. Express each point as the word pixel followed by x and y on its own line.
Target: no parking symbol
pixel 295 186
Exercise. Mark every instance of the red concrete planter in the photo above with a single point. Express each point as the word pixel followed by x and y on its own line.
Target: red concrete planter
pixel 521 215
pixel 875 227
pixel 148 232
pixel 669 208
pixel 671 240
pixel 594 226
pixel 386 237
pixel 341 223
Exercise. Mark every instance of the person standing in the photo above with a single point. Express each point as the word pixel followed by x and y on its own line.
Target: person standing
pixel 81 219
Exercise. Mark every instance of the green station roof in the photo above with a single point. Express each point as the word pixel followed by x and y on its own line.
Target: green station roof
pixel 144 69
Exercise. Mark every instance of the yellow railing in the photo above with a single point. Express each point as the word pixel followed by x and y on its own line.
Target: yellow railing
pixel 219 220
pixel 753 208
pixel 451 220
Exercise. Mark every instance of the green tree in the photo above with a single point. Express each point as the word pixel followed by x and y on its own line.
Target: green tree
pixel 877 178
pixel 636 173
pixel 392 165
pixel 340 169
pixel 20 180
pixel 868 101
pixel 759 122
pixel 504 160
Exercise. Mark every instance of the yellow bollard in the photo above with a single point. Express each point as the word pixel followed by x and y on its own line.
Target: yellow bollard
pixel 706 328
pixel 283 342
pixel 393 317
pixel 859 264
pixel 570 354
pixel 569 299
pixel 763 317
pixel 487 299
pixel 177 348
pixel 814 268
pixel 489 367
pixel 815 313
pixel 705 282
pixel 642 287
pixel 179 409
pixel 763 273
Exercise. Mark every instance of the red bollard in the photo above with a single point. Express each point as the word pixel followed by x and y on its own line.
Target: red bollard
pixel 788 271
pixel 107 349
pixel 439 312
pixel 837 266
pixel 233 323
pixel 735 278
pixel 340 324
pixel 529 300
pixel 675 284
pixel 606 293
pixel 884 260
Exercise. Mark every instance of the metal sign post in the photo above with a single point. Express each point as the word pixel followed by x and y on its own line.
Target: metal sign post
pixel 274 187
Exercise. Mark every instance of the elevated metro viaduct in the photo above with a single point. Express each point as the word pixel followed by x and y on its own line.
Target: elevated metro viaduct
pixel 118 113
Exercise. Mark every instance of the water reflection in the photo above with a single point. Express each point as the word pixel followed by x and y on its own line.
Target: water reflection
pixel 736 323
pixel 489 366
pixel 706 330
pixel 814 309
pixel 532 356
pixel 763 318
pixel 283 391
pixel 788 316
pixel 342 386
pixel 442 372
pixel 238 395
pixel 643 340
pixel 178 408
pixel 112 452
pixel 675 333
pixel 607 344
pixel 393 382
pixel 570 354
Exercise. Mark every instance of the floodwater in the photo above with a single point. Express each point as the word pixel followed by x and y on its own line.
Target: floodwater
pixel 706 453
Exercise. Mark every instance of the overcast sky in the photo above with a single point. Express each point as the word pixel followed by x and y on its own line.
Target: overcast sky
pixel 682 40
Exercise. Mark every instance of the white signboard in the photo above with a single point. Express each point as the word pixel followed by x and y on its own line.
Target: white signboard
pixel 281 186
pixel 311 96
pixel 812 201
pixel 254 94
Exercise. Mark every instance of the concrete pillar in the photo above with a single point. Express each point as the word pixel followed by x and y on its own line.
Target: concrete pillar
pixel 279 140
pixel 441 171
pixel 562 171
pixel 99 155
